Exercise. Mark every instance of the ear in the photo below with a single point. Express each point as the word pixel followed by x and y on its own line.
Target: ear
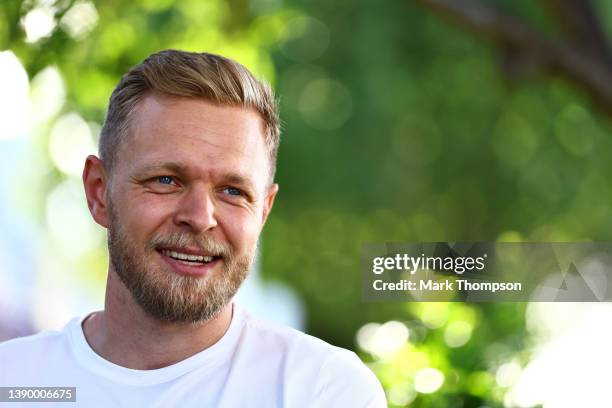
pixel 268 202
pixel 95 183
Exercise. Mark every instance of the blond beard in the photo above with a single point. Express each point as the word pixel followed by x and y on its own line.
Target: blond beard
pixel 163 293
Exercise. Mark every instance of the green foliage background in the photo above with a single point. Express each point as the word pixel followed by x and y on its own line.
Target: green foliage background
pixel 397 127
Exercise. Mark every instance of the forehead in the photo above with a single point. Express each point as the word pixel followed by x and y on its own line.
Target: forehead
pixel 200 135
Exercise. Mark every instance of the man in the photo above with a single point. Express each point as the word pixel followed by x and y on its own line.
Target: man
pixel 184 185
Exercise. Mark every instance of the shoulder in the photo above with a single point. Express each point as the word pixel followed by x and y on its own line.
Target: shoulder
pixel 284 337
pixel 29 345
pixel 344 378
pixel 292 344
pixel 24 354
pixel 337 375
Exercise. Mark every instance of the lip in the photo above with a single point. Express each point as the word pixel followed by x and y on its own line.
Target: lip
pixel 186 250
pixel 182 268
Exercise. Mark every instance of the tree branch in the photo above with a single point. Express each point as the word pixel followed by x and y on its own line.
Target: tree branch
pixel 510 34
pixel 577 18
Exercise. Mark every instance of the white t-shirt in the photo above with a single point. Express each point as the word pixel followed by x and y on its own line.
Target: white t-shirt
pixel 255 364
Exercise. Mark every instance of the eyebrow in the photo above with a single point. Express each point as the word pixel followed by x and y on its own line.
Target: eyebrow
pixel 236 178
pixel 169 166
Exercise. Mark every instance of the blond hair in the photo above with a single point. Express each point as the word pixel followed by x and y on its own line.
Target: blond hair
pixel 188 74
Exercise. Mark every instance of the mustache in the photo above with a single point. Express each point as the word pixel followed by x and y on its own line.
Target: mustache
pixel 204 243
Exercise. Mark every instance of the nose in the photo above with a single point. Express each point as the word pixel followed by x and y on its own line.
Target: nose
pixel 196 210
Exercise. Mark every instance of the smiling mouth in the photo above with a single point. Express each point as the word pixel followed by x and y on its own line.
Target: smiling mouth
pixel 189 259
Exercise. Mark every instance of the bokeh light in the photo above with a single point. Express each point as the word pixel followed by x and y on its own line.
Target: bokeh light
pixel 39 22
pixel 71 230
pixel 457 333
pixel 70 141
pixel 428 380
pixel 47 94
pixel 383 340
pixel 304 38
pixel 325 104
pixel 80 19
pixel 14 101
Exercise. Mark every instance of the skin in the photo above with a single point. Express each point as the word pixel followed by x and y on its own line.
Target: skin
pixel 218 166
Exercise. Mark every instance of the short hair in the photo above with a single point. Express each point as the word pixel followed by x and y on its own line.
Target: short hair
pixel 188 74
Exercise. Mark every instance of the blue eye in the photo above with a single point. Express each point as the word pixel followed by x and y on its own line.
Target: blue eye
pixel 233 191
pixel 165 179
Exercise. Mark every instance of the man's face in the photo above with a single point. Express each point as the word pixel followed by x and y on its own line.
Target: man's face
pixel 187 199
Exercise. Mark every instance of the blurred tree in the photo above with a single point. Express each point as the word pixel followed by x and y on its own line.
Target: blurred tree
pixel 580 52
pixel 396 128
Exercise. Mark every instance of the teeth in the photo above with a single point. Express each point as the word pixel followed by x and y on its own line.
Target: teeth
pixel 187 257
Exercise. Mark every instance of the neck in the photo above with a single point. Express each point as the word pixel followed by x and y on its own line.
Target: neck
pixel 126 335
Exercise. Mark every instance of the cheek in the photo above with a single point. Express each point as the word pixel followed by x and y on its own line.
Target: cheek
pixel 241 228
pixel 145 215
